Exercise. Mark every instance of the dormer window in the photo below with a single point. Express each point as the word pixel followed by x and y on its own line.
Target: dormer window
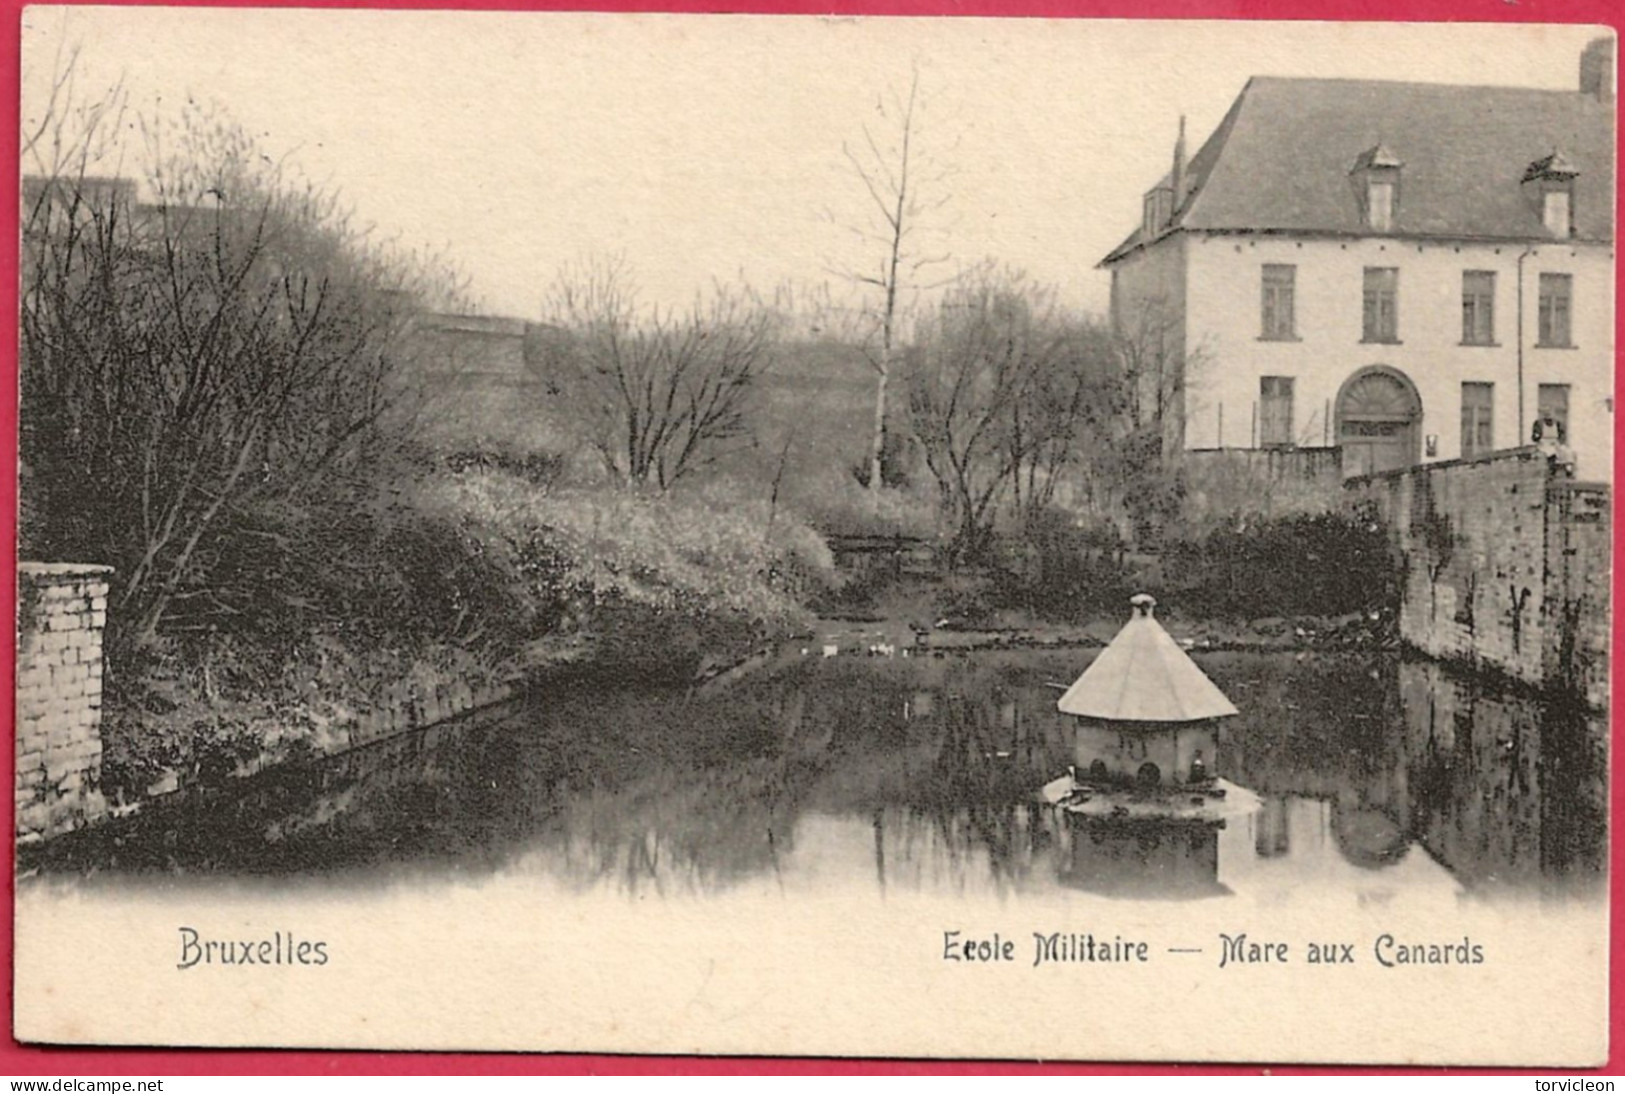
pixel 1380 203
pixel 1548 186
pixel 1159 210
pixel 1376 186
pixel 1554 213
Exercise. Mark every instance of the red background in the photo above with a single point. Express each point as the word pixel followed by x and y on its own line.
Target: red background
pixel 33 1061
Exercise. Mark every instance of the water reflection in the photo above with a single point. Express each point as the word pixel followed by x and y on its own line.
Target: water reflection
pixel 1142 858
pixel 1376 776
pixel 1507 789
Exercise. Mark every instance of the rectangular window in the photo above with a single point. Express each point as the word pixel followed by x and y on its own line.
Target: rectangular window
pixel 1381 198
pixel 1478 308
pixel 1477 419
pixel 1279 320
pixel 1381 304
pixel 1556 304
pixel 1274 411
pixel 1555 212
pixel 1552 404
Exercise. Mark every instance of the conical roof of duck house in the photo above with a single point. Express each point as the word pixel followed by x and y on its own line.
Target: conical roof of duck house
pixel 1143 676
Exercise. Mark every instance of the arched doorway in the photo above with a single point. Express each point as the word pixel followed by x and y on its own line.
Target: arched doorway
pixel 1379 421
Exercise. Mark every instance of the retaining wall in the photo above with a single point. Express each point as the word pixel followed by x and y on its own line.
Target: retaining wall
pixel 61 614
pixel 1505 562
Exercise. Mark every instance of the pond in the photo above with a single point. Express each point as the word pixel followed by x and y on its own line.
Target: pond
pixel 1378 777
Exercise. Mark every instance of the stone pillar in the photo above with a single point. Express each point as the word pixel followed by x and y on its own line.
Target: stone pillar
pixel 61 612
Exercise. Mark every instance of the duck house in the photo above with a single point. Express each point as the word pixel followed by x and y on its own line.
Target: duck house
pixel 1144 712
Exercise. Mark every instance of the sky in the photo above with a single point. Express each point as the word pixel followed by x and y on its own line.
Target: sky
pixel 710 148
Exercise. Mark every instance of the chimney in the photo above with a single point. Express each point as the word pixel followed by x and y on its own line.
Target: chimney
pixel 1597 70
pixel 1178 178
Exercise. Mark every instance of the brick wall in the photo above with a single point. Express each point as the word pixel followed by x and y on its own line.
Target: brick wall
pixel 61 611
pixel 1505 563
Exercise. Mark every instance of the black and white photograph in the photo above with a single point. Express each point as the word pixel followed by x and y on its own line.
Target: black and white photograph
pixel 759 535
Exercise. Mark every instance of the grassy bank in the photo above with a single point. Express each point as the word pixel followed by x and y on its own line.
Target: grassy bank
pixel 472 578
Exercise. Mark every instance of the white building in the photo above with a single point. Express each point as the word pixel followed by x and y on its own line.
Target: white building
pixel 1412 272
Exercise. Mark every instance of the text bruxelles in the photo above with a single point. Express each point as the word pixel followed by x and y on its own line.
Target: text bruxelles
pixel 279 949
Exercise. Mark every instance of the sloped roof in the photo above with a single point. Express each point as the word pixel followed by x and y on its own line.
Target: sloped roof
pixel 1280 160
pixel 1143 676
pixel 1196 174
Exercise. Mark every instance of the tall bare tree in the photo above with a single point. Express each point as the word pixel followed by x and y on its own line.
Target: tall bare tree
pixel 1072 409
pixel 189 351
pixel 656 395
pixel 1001 389
pixel 902 189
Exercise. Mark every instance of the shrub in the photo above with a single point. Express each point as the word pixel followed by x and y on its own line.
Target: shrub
pixel 1329 564
pixel 1062 565
pixel 539 468
pixel 704 553
pixel 842 505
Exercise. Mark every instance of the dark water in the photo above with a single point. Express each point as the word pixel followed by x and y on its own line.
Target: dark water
pixel 1376 776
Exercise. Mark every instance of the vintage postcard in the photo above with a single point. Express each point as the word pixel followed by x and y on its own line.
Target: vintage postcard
pixel 952 537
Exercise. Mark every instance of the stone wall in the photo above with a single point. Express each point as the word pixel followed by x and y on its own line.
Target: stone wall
pixel 1222 482
pixel 1505 563
pixel 403 707
pixel 1579 553
pixel 475 385
pixel 61 611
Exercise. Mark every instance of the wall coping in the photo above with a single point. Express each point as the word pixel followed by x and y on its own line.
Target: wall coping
pixel 1522 454
pixel 1271 448
pixel 49 570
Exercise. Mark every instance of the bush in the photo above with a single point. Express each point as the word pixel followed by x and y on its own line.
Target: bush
pixel 898 462
pixel 187 355
pixel 539 468
pixel 556 550
pixel 369 563
pixel 1062 566
pixel 842 505
pixel 1325 564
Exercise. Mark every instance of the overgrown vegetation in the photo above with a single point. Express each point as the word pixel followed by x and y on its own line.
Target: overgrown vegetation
pixel 1003 391
pixel 222 343
pixel 549 556
pixel 657 397
pixel 1329 564
pixel 222 392
pixel 221 387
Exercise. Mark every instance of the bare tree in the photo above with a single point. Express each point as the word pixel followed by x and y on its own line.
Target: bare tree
pixel 225 338
pixel 1074 407
pixel 656 395
pixel 1151 346
pixel 1157 374
pixel 901 190
pixel 1001 387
